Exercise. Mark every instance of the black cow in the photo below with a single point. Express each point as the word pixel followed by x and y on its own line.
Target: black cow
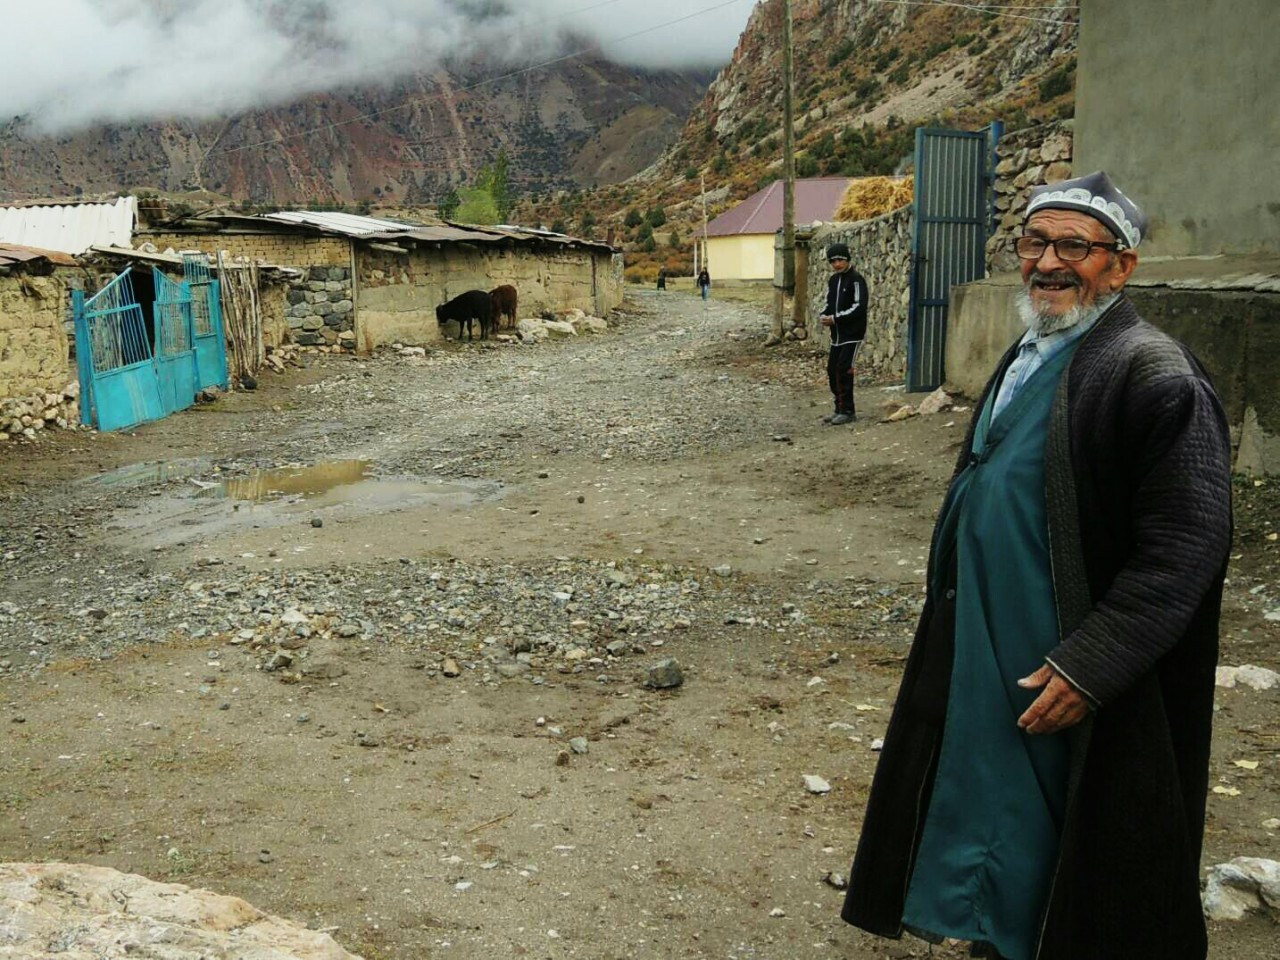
pixel 465 307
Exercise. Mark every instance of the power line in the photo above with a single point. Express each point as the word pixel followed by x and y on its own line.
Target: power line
pixel 994 9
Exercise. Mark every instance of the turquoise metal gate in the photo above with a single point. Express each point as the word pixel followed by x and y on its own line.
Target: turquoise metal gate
pixel 206 312
pixel 174 344
pixel 118 383
pixel 954 207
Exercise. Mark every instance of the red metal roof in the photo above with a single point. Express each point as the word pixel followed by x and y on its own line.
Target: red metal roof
pixel 816 199
pixel 11 254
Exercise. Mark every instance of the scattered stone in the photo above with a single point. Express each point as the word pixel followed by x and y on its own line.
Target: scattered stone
pixel 905 412
pixel 578 745
pixel 815 784
pixel 1257 678
pixel 835 879
pixel 1244 885
pixel 323 669
pixel 450 668
pixel 91 911
pixel 877 744
pixel 724 570
pixel 935 402
pixel 665 675
pixel 510 671
pixel 1271 824
pixel 317 522
pixel 777 912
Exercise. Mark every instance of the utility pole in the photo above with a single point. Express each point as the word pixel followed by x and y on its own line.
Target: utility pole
pixel 788 287
pixel 703 180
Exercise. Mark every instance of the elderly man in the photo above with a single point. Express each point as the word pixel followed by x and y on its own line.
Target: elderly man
pixel 1041 791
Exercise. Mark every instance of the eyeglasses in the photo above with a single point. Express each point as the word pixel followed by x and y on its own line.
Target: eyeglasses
pixel 1067 249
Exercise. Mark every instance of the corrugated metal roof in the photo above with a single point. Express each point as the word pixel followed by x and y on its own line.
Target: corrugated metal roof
pixel 374 228
pixel 11 254
pixel 816 199
pixel 70 227
pixel 346 223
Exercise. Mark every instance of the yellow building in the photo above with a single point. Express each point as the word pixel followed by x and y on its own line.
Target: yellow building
pixel 740 241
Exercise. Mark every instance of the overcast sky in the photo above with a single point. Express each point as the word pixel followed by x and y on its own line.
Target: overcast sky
pixel 68 63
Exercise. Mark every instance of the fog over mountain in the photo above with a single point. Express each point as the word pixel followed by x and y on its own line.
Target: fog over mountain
pixel 69 64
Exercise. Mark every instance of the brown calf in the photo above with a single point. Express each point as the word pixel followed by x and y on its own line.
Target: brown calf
pixel 504 301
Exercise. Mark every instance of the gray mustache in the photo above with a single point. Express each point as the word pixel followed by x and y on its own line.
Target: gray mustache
pixel 1059 276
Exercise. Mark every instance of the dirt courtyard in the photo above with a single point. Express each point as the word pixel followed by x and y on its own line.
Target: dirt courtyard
pixel 369 646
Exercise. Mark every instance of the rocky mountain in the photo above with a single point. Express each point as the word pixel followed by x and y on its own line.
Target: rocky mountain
pixel 867 74
pixel 577 122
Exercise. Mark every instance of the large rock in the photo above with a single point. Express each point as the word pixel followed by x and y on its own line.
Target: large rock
pixel 532 330
pixel 583 323
pixel 82 911
pixel 1245 885
pixel 559 328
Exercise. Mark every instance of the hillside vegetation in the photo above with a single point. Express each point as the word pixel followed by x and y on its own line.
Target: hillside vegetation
pixel 867 75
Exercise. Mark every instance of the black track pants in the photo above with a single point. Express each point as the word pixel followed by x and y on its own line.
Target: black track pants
pixel 839 375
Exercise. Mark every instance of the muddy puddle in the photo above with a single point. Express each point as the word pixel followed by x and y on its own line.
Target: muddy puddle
pixel 206 511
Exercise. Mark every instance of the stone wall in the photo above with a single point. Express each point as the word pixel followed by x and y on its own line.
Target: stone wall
pixel 881 251
pixel 37 382
pixel 33 344
pixel 396 294
pixel 321 308
pixel 1028 158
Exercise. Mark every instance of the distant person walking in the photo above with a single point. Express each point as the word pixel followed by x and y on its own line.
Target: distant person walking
pixel 704 283
pixel 846 316
pixel 662 278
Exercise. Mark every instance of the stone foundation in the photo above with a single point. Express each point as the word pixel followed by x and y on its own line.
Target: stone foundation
pixel 321 308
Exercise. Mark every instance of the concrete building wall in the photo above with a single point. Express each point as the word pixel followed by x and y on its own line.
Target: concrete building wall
pixel 396 295
pixel 747 256
pixel 1232 328
pixel 1174 100
pixel 33 345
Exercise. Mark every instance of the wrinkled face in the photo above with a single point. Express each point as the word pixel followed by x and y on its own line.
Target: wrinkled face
pixel 838 264
pixel 1055 286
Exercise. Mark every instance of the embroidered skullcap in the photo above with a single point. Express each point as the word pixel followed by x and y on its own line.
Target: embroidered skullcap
pixel 1098 197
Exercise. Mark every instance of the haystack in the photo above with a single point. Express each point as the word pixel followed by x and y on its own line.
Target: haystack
pixel 868 197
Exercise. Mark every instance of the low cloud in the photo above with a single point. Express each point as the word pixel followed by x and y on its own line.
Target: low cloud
pixel 65 64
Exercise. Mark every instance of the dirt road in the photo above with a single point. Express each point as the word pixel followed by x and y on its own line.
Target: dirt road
pixel 368 647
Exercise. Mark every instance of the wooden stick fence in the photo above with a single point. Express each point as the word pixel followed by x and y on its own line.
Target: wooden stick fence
pixel 242 315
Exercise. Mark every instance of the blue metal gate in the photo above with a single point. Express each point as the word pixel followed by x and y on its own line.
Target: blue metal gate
pixel 118 383
pixel 174 344
pixel 954 181
pixel 206 312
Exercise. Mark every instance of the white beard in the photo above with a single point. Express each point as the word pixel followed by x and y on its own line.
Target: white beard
pixel 1043 323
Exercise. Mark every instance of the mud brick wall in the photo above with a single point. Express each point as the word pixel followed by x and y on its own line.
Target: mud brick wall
pixel 33 343
pixel 881 252
pixel 396 295
pixel 279 249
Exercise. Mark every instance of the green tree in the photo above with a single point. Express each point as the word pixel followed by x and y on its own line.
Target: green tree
pixel 447 206
pixel 656 217
pixel 633 219
pixel 477 206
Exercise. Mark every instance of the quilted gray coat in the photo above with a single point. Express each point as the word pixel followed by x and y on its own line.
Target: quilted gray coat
pixel 1138 490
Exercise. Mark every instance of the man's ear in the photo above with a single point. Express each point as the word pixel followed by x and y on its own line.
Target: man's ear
pixel 1126 263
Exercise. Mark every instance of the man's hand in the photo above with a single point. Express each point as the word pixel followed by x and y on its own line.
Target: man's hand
pixel 827 321
pixel 1058 707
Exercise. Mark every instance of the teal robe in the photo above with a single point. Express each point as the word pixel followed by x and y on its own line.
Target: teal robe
pixel 991 834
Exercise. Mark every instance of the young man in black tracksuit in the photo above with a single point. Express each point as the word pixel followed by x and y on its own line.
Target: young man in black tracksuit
pixel 846 315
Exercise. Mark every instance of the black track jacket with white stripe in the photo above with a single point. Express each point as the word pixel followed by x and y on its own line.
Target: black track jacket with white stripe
pixel 847 302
